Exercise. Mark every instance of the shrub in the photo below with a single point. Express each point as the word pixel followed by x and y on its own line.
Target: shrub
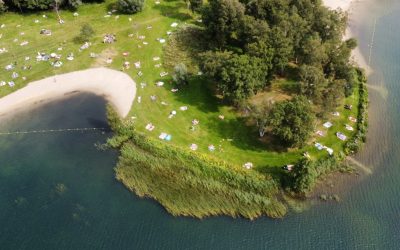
pixel 74 3
pixel 354 143
pixel 306 173
pixel 130 6
pixel 31 5
pixel 86 33
pixel 3 6
pixel 180 74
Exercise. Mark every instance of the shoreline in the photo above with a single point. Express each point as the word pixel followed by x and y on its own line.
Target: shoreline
pixel 338 183
pixel 115 86
pixel 356 54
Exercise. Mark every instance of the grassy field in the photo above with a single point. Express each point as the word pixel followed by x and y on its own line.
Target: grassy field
pixel 235 142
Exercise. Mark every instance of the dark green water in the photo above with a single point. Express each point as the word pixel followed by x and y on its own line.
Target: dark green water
pixel 57 191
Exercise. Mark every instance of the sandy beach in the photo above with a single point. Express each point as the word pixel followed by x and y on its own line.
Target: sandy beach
pixel 347 6
pixel 335 4
pixel 117 88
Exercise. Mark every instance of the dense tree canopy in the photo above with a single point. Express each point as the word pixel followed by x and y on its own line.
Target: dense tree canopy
pixel 223 19
pixel 195 5
pixel 312 82
pixel 239 76
pixel 260 39
pixel 130 6
pixel 22 5
pixel 292 121
pixel 282 31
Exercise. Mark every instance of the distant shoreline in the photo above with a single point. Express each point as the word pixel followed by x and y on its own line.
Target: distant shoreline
pixel 117 88
pixel 347 6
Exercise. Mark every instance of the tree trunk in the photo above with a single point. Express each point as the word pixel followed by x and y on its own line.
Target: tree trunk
pixel 56 9
pixel 261 132
pixel 261 128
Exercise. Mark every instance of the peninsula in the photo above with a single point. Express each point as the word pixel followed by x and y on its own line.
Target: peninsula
pixel 231 113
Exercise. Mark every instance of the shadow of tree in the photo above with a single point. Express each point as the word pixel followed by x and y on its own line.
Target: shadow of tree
pixel 276 172
pixel 174 11
pixel 111 7
pixel 198 94
pixel 244 136
pixel 185 46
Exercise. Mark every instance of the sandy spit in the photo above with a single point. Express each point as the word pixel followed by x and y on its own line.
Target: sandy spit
pixel 117 88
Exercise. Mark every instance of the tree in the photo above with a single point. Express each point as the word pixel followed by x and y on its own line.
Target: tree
pixel 222 19
pixel 130 6
pixel 330 24
pixel 283 49
pixel 312 82
pixel 260 114
pixel 312 51
pixel 332 94
pixel 252 30
pixel 85 34
pixel 56 6
pixel 74 3
pixel 237 76
pixel 3 6
pixel 212 63
pixel 270 10
pixel 180 75
pixel 263 50
pixel 339 66
pixel 45 4
pixel 292 121
pixel 195 5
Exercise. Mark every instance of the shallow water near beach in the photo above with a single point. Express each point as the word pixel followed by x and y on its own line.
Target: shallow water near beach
pixel 58 191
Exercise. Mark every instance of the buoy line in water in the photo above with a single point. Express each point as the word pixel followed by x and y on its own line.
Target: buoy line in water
pixel 50 131
pixel 372 42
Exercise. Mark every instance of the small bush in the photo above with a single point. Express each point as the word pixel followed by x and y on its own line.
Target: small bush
pixel 85 35
pixel 355 143
pixel 180 74
pixel 306 173
pixel 74 4
pixel 3 6
pixel 130 6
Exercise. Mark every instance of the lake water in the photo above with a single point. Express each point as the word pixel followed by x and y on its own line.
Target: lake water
pixel 57 190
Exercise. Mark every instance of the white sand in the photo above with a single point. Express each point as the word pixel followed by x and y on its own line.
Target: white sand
pixel 117 87
pixel 356 55
pixel 335 4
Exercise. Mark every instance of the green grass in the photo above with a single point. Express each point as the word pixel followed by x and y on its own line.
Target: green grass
pixel 236 142
pixel 330 139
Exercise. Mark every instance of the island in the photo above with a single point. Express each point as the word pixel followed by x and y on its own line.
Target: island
pixel 221 107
